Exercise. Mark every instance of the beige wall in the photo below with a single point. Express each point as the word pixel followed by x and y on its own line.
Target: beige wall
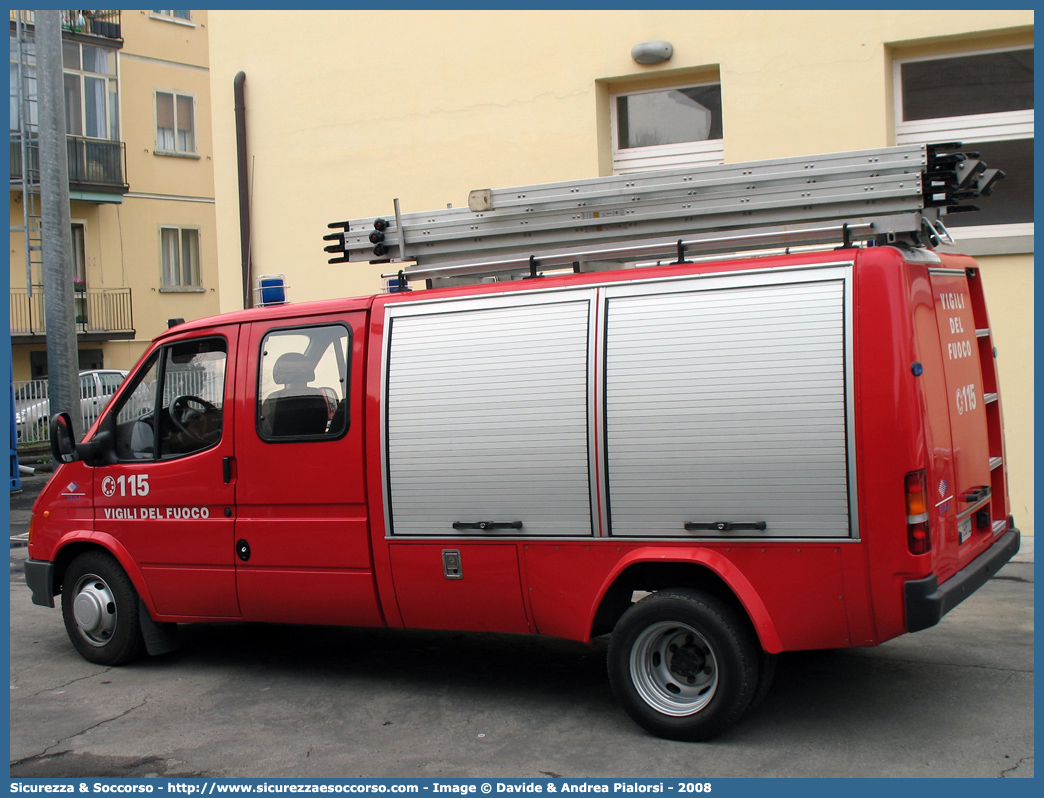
pixel 1008 282
pixel 462 100
pixel 427 105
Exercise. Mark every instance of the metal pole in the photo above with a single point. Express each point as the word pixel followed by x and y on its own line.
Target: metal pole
pixel 239 90
pixel 59 310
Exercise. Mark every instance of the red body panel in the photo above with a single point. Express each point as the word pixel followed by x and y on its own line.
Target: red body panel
pixel 302 505
pixel 171 519
pixel 776 584
pixel 487 599
pixel 314 512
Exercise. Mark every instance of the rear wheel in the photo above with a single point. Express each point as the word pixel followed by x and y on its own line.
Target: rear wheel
pixel 683 664
pixel 100 609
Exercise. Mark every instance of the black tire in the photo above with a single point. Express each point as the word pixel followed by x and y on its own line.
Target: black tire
pixel 766 673
pixel 683 664
pixel 100 608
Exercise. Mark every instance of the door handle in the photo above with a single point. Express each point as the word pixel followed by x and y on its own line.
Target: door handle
pixel 977 494
pixel 226 469
pixel 727 526
pixel 487 526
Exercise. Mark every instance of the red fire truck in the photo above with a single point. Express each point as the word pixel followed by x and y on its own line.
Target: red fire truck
pixel 710 451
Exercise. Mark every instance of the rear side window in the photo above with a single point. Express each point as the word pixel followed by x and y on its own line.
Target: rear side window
pixel 303 384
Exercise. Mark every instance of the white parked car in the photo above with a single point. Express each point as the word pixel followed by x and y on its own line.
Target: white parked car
pixel 33 409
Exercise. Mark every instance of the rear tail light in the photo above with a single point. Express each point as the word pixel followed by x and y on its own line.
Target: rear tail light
pixel 918 534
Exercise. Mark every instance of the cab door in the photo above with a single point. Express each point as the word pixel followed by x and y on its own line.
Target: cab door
pixel 169 500
pixel 302 542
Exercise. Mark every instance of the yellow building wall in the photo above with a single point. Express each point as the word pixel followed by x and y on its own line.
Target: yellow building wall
pixel 166 55
pixel 176 41
pixel 427 105
pixel 190 175
pixel 1008 283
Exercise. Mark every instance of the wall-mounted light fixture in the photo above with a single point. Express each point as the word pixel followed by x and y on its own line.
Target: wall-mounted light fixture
pixel 652 52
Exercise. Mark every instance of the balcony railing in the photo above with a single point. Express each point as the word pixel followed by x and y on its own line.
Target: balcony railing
pixel 101 313
pixel 94 164
pixel 92 23
pixel 16 157
pixel 97 163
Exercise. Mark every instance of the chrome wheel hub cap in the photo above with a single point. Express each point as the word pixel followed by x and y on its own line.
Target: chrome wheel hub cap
pixel 94 610
pixel 674 669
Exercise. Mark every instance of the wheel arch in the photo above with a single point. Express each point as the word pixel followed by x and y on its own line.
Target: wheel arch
pixel 651 570
pixel 72 548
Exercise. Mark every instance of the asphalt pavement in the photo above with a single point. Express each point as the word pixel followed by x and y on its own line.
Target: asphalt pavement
pixel 242 700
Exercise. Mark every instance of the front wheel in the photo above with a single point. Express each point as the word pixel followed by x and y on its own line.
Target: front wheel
pixel 100 609
pixel 683 664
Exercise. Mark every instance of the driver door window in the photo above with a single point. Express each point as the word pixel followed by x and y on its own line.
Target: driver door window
pixel 188 378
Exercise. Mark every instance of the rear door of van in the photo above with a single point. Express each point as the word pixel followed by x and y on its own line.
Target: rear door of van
pixel 978 492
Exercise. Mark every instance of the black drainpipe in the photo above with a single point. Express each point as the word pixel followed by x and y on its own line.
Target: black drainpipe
pixel 244 186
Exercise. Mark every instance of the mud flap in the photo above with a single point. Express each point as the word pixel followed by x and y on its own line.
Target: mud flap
pixel 160 638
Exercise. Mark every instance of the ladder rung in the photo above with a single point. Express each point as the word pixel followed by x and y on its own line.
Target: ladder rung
pixel 990 398
pixel 982 332
pixel 996 462
pixel 999 526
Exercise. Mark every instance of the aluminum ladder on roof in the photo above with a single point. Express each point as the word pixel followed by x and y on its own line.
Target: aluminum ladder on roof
pixel 891 194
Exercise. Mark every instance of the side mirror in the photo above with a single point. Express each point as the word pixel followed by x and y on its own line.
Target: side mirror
pixel 63 441
pixel 65 449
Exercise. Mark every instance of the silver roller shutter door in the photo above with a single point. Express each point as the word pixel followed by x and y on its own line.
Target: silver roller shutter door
pixel 728 405
pixel 487 419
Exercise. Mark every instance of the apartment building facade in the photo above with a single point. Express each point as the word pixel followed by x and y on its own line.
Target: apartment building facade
pixel 425 106
pixel 137 107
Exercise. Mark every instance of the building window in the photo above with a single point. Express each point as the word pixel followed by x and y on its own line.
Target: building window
pixel 91 91
pixel 667 128
pixel 175 122
pixel 179 252
pixel 185 15
pixel 985 100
